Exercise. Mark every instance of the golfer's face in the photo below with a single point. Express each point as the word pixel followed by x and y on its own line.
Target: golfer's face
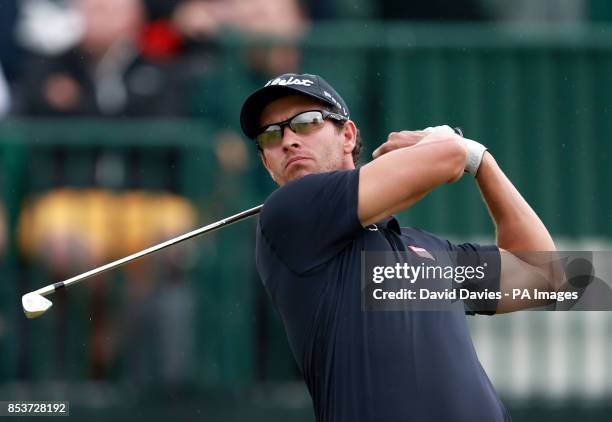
pixel 298 154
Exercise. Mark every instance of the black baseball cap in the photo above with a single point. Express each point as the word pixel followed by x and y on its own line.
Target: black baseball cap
pixel 288 84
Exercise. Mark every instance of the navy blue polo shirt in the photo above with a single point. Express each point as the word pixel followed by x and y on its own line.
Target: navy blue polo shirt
pixel 363 365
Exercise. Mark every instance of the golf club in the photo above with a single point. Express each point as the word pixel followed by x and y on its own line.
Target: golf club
pixel 35 303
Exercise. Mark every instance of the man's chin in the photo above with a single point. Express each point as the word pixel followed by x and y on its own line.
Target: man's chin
pixel 298 174
pixel 300 167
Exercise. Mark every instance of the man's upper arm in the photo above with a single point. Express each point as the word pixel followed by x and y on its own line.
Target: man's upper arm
pixel 398 179
pixel 310 220
pixel 518 275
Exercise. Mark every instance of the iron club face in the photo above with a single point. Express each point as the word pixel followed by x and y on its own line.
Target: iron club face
pixel 34 304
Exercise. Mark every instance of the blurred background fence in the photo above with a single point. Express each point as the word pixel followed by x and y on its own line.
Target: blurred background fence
pixel 189 333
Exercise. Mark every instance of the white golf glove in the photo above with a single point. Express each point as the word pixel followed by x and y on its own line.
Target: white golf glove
pixel 475 150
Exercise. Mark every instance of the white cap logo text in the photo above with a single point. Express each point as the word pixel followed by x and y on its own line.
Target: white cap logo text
pixel 290 81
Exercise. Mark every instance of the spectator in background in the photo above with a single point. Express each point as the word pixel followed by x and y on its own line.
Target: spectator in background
pixel 105 74
pixel 5 99
pixel 158 326
pixel 201 21
pixel 70 231
pixel 10 53
pixel 281 18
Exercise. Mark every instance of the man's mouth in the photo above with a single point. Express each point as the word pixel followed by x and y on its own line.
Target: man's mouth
pixel 294 160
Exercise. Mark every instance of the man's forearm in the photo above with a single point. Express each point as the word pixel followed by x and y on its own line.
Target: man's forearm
pixel 518 226
pixel 521 232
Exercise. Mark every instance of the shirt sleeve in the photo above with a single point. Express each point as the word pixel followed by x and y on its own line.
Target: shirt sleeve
pixel 310 220
pixel 486 260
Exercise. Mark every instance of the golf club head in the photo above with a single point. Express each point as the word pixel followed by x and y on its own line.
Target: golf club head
pixel 34 305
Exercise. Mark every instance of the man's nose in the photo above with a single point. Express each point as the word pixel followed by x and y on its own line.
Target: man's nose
pixel 290 138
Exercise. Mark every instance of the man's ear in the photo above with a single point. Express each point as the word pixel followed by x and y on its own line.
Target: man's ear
pixel 349 131
pixel 266 165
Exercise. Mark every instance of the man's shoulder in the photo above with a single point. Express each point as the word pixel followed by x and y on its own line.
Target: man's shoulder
pixel 312 180
pixel 310 220
pixel 308 190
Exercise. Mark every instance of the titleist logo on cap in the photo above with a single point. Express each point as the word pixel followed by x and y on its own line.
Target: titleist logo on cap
pixel 290 81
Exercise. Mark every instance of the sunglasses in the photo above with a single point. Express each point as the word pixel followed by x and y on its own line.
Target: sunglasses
pixel 303 124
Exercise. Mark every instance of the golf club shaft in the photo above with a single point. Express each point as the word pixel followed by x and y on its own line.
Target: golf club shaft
pixel 206 229
pixel 221 223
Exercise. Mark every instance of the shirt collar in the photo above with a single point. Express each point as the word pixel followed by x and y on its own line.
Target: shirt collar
pixel 391 224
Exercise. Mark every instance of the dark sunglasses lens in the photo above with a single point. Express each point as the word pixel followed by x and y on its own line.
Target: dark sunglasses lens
pixel 269 137
pixel 307 122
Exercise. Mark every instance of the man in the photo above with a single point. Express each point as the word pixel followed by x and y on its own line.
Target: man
pixel 370 366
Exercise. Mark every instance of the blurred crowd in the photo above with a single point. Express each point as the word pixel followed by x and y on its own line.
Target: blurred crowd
pixel 161 59
pixel 140 57
pixel 110 59
pixel 134 58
